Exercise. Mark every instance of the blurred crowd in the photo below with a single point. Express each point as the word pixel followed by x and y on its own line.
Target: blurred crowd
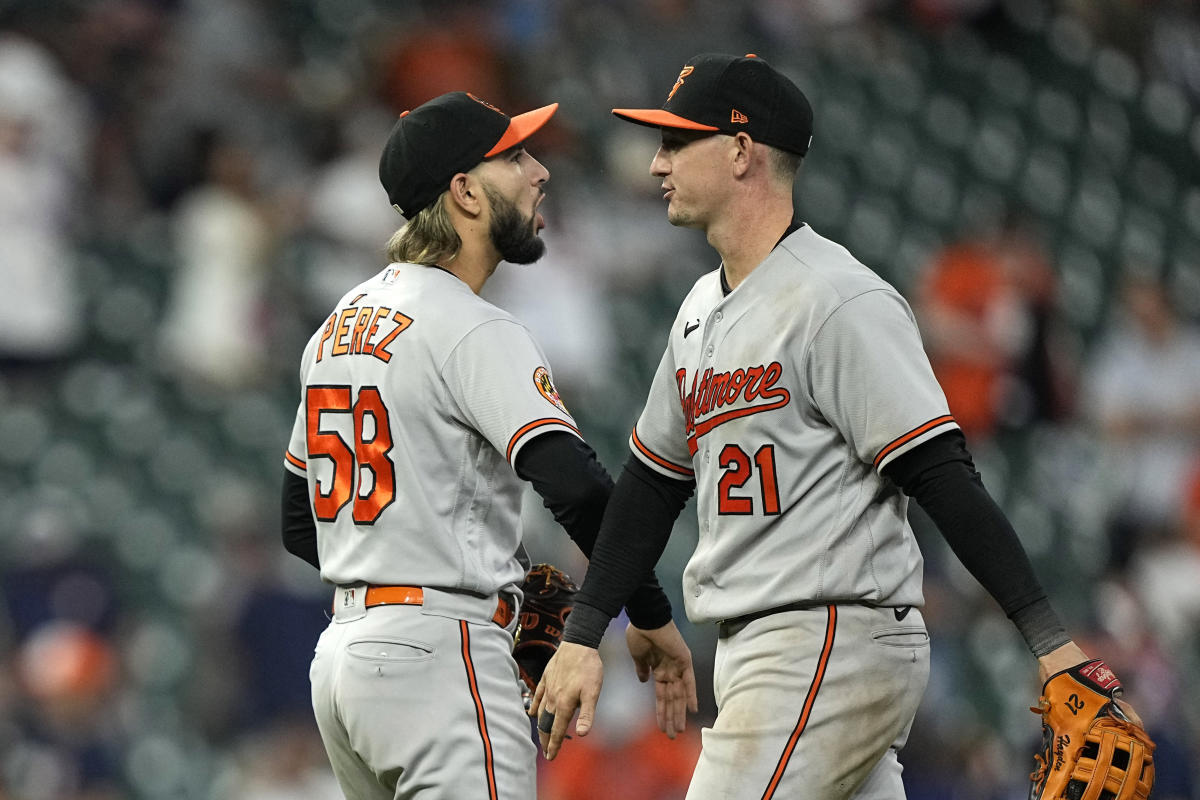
pixel 186 186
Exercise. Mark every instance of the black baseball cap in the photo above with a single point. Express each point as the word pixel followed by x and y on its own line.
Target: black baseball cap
pixel 728 94
pixel 443 137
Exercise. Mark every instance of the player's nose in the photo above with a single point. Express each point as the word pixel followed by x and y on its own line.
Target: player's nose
pixel 538 174
pixel 660 165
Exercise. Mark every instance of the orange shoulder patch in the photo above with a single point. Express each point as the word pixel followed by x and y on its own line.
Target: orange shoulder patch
pixel 545 386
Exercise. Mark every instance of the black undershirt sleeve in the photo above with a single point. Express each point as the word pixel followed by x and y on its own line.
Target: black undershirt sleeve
pixel 575 487
pixel 941 477
pixel 636 527
pixel 299 530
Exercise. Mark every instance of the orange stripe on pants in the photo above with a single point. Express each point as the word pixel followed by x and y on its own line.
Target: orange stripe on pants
pixel 479 714
pixel 818 676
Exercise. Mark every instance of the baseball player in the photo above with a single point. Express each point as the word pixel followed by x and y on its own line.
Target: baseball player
pixel 795 399
pixel 422 407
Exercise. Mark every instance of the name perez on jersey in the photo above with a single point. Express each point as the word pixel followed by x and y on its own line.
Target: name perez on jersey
pixel 362 330
pixel 711 391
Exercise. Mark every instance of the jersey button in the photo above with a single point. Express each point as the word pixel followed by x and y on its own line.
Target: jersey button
pixel 708 351
pixel 717 317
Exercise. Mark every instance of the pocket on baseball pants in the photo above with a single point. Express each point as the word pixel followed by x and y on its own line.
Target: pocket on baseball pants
pixel 901 636
pixel 390 650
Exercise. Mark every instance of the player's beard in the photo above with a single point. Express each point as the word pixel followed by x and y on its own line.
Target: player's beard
pixel 513 235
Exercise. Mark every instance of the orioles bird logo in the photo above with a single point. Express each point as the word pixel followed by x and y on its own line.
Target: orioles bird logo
pixel 545 386
pixel 683 73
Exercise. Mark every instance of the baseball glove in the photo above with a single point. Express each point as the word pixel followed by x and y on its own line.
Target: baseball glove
pixel 1090 749
pixel 549 598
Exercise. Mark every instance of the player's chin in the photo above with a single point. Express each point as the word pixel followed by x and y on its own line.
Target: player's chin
pixel 681 219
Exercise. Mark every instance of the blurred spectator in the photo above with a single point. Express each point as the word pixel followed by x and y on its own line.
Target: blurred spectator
pixel 348 226
pixel 43 142
pixel 61 739
pixel 451 52
pixel 1143 399
pixel 216 327
pixel 1166 576
pixel 224 66
pixel 985 306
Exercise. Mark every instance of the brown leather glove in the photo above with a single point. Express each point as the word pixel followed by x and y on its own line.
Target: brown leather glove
pixel 549 598
pixel 1090 748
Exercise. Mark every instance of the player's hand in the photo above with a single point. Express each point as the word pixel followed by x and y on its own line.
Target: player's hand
pixel 572 680
pixel 663 653
pixel 1068 656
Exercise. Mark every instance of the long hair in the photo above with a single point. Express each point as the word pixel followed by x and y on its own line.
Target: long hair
pixel 428 238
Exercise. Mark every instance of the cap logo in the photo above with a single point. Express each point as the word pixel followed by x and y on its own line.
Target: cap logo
pixel 738 118
pixel 683 73
pixel 484 103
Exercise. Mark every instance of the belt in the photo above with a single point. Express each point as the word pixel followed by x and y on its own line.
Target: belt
pixel 413 596
pixel 735 624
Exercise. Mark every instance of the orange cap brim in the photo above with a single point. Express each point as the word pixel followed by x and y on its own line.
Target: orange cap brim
pixel 521 127
pixel 657 118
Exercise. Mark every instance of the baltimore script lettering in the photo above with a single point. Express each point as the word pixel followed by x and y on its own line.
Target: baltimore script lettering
pixel 714 390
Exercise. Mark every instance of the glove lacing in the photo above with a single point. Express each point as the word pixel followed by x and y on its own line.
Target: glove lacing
pixel 1042 759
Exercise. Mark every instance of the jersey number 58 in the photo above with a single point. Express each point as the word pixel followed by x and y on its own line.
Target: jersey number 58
pixel 362 472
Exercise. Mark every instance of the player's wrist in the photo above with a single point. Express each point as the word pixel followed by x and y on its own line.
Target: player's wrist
pixel 586 625
pixel 648 607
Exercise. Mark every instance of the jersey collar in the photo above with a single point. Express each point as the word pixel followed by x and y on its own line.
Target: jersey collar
pixel 792 228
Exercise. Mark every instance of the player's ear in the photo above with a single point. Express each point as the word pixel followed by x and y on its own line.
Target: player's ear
pixel 465 193
pixel 742 153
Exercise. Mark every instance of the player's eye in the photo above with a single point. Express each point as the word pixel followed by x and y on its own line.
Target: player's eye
pixel 517 154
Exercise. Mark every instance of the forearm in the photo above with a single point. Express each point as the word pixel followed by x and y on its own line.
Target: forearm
pixel 298 530
pixel 637 525
pixel 575 487
pixel 951 492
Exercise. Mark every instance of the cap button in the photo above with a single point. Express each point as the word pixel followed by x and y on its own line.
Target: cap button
pixel 751 55
pixel 405 113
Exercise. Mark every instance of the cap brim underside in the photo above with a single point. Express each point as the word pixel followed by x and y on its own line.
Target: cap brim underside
pixel 521 127
pixel 657 118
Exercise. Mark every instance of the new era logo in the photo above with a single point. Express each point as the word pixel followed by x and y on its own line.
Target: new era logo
pixel 738 118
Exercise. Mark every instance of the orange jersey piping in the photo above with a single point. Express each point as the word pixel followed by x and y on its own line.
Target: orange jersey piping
pixel 657 459
pixel 537 423
pixel 908 437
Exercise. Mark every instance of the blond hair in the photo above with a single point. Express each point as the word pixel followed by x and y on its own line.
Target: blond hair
pixel 428 238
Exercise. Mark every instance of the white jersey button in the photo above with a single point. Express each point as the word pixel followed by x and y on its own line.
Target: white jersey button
pixel 717 317
pixel 708 351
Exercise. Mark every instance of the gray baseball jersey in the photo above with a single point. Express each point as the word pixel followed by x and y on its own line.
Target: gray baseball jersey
pixel 783 400
pixel 417 396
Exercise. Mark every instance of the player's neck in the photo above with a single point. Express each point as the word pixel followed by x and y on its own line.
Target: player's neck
pixel 474 264
pixel 746 237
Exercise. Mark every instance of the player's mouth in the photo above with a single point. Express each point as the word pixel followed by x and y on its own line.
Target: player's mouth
pixel 539 222
pixel 668 192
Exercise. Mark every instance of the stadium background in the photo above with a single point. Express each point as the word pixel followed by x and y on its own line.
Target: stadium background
pixel 185 188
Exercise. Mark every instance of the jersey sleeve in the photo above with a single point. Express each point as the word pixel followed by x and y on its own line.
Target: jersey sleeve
pixel 295 458
pixel 659 439
pixel 499 378
pixel 871 379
